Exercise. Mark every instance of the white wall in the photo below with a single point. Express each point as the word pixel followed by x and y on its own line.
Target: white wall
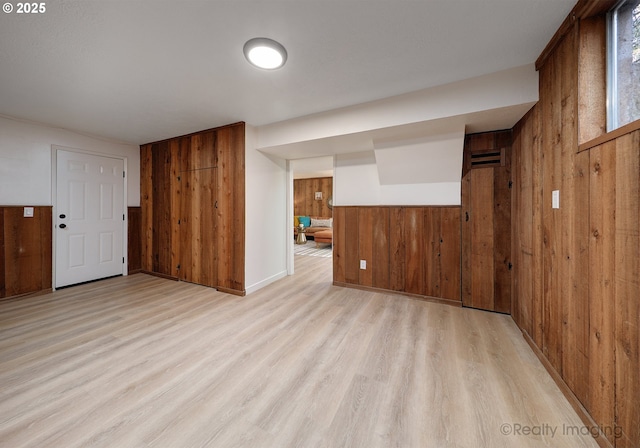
pixel 356 182
pixel 495 91
pixel 25 161
pixel 266 216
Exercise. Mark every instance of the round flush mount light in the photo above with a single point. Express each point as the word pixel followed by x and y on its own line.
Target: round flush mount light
pixel 265 53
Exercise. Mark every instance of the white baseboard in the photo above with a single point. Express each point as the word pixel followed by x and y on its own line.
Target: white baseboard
pixel 267 281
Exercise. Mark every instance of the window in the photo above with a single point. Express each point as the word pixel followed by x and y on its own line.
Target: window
pixel 623 65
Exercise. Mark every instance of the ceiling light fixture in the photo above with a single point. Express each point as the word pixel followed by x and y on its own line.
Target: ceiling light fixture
pixel 265 53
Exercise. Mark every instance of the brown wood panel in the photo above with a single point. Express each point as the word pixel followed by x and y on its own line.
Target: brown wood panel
pixel 526 228
pixel 627 289
pixel 365 245
pixel 134 239
pixel 3 289
pixel 381 244
pixel 449 253
pixel 162 241
pixel 432 254
pixel 574 219
pixel 465 219
pixel 482 239
pixel 551 101
pixel 230 210
pixel 592 78
pixel 585 266
pixel 407 249
pixel 192 201
pixel 601 373
pixel 197 239
pixel 27 250
pixel 414 250
pixel 575 350
pixel 486 206
pixel 521 228
pixel 146 206
pixel 502 225
pixel 339 244
pixel 538 234
pixel 351 260
pixel 304 202
pixel 397 242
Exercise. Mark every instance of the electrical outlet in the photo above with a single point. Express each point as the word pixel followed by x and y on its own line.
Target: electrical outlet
pixel 363 264
pixel 28 212
pixel 555 199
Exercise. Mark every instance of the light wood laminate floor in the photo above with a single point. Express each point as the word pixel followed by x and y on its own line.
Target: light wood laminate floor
pixel 142 361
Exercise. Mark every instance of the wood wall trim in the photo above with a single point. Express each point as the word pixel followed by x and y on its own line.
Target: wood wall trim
pixel 235 292
pixel 158 274
pixel 610 136
pixel 582 10
pixel 566 391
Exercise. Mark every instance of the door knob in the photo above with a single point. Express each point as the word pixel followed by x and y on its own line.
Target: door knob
pixel 63 226
pixel 62 216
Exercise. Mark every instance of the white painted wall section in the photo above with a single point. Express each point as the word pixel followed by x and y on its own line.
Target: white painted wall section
pixel 25 161
pixel 493 92
pixel 356 182
pixel 266 216
pixel 434 159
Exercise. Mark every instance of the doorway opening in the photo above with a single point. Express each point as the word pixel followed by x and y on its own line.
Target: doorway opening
pixel 312 207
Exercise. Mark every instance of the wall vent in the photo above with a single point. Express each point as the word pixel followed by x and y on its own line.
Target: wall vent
pixel 487 158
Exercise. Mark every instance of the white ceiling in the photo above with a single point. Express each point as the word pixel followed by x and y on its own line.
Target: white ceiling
pixel 152 69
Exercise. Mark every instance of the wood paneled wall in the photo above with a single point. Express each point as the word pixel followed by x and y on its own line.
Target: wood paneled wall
pixel 577 270
pixel 192 200
pixel 304 201
pixel 25 251
pixel 486 224
pixel 134 240
pixel 414 250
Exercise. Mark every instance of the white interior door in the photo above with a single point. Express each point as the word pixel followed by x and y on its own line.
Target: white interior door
pixel 89 217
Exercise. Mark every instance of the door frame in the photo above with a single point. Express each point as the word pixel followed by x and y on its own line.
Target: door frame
pixel 54 200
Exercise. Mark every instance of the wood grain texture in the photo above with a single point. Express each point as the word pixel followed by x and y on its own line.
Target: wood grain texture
pixel 590 247
pixel 627 292
pixel 161 209
pixel 339 244
pixel 304 201
pixel 380 244
pixel 592 78
pixel 486 225
pixel 550 110
pixel 414 250
pixel 134 240
pixel 146 206
pixel 527 227
pixel 397 249
pixel 141 361
pixel 449 254
pixel 482 240
pixel 230 212
pixel 433 229
pixel 601 378
pixel 365 245
pixel 25 251
pixel 192 200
